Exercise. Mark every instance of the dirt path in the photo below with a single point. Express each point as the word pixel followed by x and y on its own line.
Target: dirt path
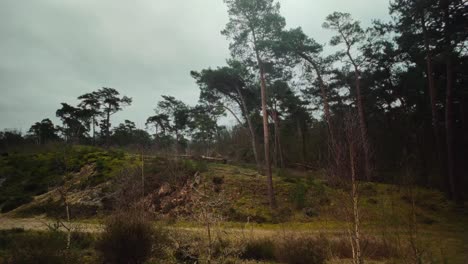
pixel 40 223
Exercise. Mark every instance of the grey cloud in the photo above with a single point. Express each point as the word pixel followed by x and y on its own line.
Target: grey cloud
pixel 55 50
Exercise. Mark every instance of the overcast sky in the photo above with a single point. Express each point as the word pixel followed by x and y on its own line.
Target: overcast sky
pixel 52 51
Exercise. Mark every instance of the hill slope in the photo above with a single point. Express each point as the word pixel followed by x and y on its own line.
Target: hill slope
pixel 93 182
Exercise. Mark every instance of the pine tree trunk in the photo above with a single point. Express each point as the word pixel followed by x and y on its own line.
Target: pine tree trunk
pixel 324 95
pixel 449 106
pixel 449 130
pixel 266 138
pixel 361 113
pixel 108 128
pixel 253 138
pixel 266 133
pixel 278 150
pixel 431 85
pixel 362 124
pixel 94 130
pixel 360 106
pixel 301 134
pixel 326 108
pixel 278 140
pixel 273 115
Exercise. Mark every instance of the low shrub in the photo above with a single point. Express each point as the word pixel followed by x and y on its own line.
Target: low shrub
pixel 187 247
pixel 259 249
pixel 310 212
pixel 372 248
pixel 218 180
pixel 41 248
pixel 8 236
pixel 300 250
pixel 130 238
pixel 298 195
pixel 367 189
pixel 81 240
pixel 217 183
pixel 377 249
pixel 224 249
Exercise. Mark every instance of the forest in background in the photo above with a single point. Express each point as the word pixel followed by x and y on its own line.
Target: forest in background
pixel 399 87
pixel 349 152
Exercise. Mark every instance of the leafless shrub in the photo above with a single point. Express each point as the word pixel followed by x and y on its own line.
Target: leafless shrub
pixel 347 165
pixel 372 247
pixel 41 247
pixel 187 246
pixel 300 249
pixel 130 237
pixel 207 212
pixel 259 249
pixel 128 190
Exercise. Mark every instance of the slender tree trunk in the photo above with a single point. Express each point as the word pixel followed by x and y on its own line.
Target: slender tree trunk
pixel 94 130
pixel 253 141
pixel 326 108
pixel 362 123
pixel 302 137
pixel 279 150
pixel 278 158
pixel 67 208
pixel 431 85
pixel 413 230
pixel 449 106
pixel 360 106
pixel 266 137
pixel 177 142
pixel 449 130
pixel 324 95
pixel 233 114
pixel 253 137
pixel 108 127
pixel 355 197
pixel 266 133
pixel 142 173
pixel 304 142
pixel 280 153
pixel 273 115
pixel 462 149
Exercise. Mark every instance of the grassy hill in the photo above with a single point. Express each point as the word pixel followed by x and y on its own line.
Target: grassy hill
pixel 179 193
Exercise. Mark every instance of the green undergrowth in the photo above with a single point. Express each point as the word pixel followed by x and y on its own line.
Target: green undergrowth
pixel 306 197
pixel 25 175
pixel 20 246
pixel 306 201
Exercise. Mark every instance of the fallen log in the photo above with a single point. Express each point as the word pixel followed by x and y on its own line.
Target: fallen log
pixel 202 157
pixel 214 159
pixel 305 166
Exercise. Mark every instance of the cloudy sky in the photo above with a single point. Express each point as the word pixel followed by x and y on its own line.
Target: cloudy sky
pixel 52 51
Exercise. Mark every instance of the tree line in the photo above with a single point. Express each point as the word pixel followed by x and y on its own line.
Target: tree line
pixel 404 81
